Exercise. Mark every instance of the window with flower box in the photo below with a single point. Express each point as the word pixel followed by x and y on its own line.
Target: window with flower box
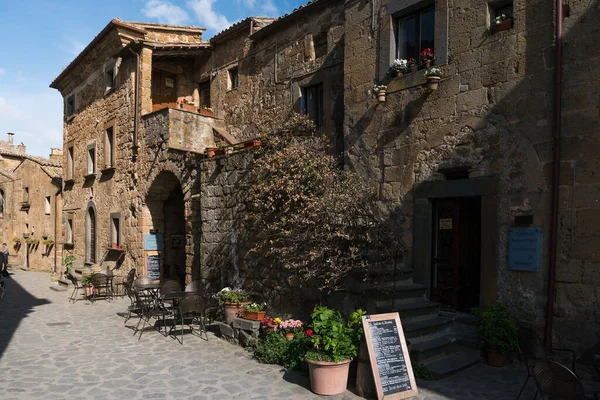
pixel 414 33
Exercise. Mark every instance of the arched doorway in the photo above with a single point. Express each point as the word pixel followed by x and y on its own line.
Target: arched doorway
pixel 90 234
pixel 166 206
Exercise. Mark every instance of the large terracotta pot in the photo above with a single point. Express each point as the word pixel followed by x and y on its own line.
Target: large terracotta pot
pixel 328 378
pixel 255 316
pixel 495 358
pixel 233 310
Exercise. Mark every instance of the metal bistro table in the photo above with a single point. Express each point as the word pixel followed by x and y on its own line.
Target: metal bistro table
pixel 591 358
pixel 151 288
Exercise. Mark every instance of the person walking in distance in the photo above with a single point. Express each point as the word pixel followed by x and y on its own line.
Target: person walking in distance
pixel 4 261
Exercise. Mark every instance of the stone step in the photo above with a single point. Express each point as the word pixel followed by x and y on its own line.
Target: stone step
pixel 414 311
pixel 453 363
pixel 422 330
pixel 58 288
pixel 64 282
pixel 431 348
pixel 400 293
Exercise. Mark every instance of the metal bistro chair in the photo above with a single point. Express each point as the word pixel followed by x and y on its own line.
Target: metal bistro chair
pixel 76 286
pixel 149 309
pixel 194 287
pixel 101 284
pixel 134 308
pixel 557 381
pixel 192 306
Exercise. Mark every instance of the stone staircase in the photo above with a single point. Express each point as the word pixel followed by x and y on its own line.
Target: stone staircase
pixel 443 342
pixel 79 270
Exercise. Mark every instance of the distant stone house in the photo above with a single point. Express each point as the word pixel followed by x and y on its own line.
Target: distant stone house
pixel 31 207
pixel 464 173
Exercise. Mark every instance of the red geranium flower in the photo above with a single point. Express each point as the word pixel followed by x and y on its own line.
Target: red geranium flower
pixel 309 332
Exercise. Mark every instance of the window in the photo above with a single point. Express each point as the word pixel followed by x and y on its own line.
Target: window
pixel 69 231
pixel 205 94
pixel 26 195
pixel 109 147
pixel 90 236
pixel 414 33
pixel 91 159
pixel 320 43
pixel 70 165
pixel 115 228
pixel 109 75
pixel 70 107
pixel 501 15
pixel 233 78
pixel 312 103
pixel 47 205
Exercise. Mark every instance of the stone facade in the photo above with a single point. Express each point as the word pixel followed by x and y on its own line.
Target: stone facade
pixel 487 133
pixel 31 191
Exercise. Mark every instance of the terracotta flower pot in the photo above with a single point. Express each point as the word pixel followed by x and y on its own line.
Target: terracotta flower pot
pixel 254 316
pixel 188 107
pixel 433 82
pixel 233 310
pixel 328 378
pixel 381 97
pixel 428 63
pixel 289 335
pixel 272 327
pixel 502 26
pixel 398 74
pixel 206 113
pixel 88 290
pixel 495 358
pixel 211 151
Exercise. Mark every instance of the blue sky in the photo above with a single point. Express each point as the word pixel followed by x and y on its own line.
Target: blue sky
pixel 38 38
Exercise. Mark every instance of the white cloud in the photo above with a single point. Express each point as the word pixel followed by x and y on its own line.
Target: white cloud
pixel 207 16
pixel 2 71
pixel 269 9
pixel 75 46
pixel 249 3
pixel 165 12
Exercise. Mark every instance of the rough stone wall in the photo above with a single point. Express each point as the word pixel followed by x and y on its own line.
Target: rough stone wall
pixel 10 186
pixel 492 114
pixel 41 221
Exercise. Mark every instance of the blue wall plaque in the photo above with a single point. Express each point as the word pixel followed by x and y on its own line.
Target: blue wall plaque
pixel 153 242
pixel 524 249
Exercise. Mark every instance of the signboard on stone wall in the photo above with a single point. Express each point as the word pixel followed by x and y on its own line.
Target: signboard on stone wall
pixel 153 241
pixel 524 249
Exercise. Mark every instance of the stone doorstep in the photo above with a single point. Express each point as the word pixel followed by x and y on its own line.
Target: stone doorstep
pixel 246 324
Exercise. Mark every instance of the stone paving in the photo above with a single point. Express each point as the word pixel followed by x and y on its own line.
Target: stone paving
pixel 52 349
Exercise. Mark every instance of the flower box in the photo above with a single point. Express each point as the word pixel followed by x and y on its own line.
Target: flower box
pixel 502 26
pixel 188 107
pixel 254 315
pixel 205 112
pixel 251 143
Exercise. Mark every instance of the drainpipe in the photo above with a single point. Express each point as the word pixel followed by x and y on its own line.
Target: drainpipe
pixel 137 98
pixel 555 174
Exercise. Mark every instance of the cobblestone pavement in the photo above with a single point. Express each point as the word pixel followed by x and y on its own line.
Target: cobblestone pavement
pixel 51 349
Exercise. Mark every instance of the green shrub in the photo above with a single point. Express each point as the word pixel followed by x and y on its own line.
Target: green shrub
pixel 276 349
pixel 333 339
pixel 497 328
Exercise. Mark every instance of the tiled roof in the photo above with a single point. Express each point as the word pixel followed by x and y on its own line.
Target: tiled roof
pixel 178 46
pixel 8 150
pixel 277 22
pixel 240 25
pixel 142 25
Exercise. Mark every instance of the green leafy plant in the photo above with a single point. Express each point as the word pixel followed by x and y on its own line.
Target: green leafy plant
pixel 255 307
pixel 497 328
pixel 235 295
pixel 400 65
pixel 86 280
pixel 276 349
pixel 32 241
pixel 47 241
pixel 334 339
pixel 16 239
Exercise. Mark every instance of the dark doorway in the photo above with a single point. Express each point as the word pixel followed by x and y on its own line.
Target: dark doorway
pixel 163 90
pixel 456 253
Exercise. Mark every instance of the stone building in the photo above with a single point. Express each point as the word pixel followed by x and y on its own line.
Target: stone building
pixel 31 207
pixel 461 171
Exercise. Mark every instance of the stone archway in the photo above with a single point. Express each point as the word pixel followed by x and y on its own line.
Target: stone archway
pixel 166 217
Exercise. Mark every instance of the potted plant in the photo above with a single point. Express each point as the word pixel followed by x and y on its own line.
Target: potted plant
pixel 427 57
pixel 254 311
pixel 412 65
pixel 380 90
pixel 335 344
pixel 233 301
pixel 187 105
pixel 501 23
pixel 498 332
pixel 68 262
pixel 206 111
pixel 48 242
pixel 290 327
pixel 88 287
pixel 211 151
pixel 399 67
pixel 433 76
pixel 16 240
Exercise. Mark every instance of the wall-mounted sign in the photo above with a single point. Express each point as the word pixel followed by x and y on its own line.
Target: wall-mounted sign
pixel 153 241
pixel 446 223
pixel 390 361
pixel 524 249
pixel 169 82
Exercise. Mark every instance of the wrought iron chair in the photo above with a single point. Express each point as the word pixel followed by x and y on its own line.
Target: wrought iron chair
pixel 557 381
pixel 192 306
pixel 134 308
pixel 76 286
pixel 169 286
pixel 194 287
pixel 101 284
pixel 148 309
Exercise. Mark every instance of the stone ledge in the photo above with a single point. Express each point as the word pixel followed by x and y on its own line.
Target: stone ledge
pixel 246 324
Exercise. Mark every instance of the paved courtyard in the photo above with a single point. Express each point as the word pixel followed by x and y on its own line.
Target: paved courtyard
pixel 51 349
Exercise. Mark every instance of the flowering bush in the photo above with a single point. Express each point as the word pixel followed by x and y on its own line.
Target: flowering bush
pixel 426 54
pixel 400 65
pixel 291 325
pixel 333 339
pixel 433 71
pixel 379 88
pixel 277 320
pixel 203 107
pixel 255 307
pixel 228 295
pixel 267 321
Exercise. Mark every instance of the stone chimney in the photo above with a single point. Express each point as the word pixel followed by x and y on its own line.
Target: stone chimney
pixel 10 138
pixel 56 154
pixel 21 147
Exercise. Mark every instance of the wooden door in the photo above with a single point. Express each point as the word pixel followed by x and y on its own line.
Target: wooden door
pixel 164 92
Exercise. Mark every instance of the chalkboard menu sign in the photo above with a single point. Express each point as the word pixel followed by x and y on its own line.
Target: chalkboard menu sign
pixel 153 266
pixel 390 361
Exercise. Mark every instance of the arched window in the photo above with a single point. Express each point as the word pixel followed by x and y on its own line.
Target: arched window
pixel 90 235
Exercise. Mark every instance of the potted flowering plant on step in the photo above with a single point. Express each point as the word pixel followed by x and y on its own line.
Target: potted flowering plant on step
pixel 433 76
pixel 335 344
pixel 498 332
pixel 290 327
pixel 205 110
pixel 187 105
pixel 399 67
pixel 233 301
pixel 427 57
pixel 254 311
pixel 379 91
pixel 501 23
